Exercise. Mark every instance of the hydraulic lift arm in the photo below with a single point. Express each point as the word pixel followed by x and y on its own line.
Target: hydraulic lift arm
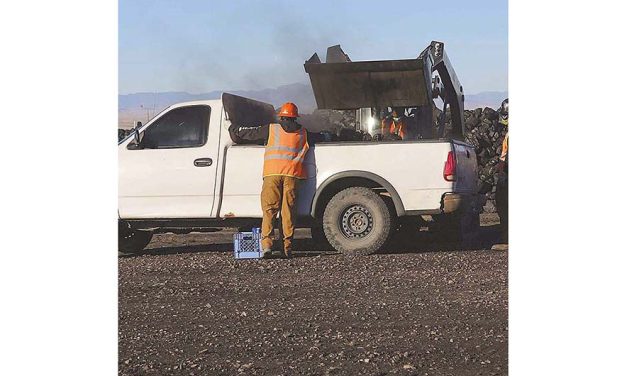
pixel 452 92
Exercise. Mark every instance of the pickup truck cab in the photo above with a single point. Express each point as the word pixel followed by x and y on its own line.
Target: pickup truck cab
pixel 182 171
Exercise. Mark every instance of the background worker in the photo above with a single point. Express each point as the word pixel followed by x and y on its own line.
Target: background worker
pixel 287 143
pixel 395 126
pixel 503 112
pixel 502 181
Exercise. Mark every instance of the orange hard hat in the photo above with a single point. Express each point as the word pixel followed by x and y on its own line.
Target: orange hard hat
pixel 288 109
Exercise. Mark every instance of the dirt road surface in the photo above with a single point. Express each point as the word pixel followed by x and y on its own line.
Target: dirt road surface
pixel 423 307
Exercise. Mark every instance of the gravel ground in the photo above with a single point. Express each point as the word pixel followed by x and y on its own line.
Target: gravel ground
pixel 423 307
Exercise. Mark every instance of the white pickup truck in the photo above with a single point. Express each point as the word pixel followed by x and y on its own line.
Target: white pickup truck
pixel 182 171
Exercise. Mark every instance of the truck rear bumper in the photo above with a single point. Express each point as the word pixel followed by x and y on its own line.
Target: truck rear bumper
pixel 452 202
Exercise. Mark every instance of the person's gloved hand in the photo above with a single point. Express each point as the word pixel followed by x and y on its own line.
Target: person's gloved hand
pixel 232 132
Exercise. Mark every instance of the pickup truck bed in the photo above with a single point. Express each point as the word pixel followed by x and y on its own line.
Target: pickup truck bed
pixel 405 168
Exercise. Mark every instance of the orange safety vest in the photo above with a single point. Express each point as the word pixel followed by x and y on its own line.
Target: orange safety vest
pixel 504 148
pixel 285 153
pixel 396 127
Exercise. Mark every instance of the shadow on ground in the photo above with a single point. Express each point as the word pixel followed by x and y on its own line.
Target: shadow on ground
pixel 305 246
pixel 427 241
pixel 176 250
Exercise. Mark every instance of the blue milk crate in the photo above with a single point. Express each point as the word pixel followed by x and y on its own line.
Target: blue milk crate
pixel 247 245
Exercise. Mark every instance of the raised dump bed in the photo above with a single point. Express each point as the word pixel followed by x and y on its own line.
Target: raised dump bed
pixel 342 84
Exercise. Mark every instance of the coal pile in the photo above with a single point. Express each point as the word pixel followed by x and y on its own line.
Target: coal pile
pixel 122 133
pixel 486 134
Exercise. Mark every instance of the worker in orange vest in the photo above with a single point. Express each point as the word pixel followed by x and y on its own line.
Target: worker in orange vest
pixel 395 126
pixel 502 201
pixel 287 143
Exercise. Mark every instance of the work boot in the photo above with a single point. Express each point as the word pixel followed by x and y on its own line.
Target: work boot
pixel 500 247
pixel 266 253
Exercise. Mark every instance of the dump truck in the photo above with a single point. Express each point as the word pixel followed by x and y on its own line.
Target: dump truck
pixel 182 172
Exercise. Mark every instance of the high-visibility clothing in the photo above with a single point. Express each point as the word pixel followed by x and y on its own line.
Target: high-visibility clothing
pixel 504 148
pixel 285 153
pixel 503 120
pixel 397 127
pixel 278 194
pixel 502 189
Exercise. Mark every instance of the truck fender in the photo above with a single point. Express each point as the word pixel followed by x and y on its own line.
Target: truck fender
pixel 396 199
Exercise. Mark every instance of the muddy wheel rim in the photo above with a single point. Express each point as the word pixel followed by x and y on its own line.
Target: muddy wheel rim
pixel 356 222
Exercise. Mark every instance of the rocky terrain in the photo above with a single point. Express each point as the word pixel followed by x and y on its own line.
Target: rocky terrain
pixel 423 307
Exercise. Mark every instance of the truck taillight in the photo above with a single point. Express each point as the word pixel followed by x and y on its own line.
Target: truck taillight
pixel 450 167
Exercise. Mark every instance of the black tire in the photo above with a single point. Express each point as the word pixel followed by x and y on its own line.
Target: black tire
pixel 133 241
pixel 357 221
pixel 318 236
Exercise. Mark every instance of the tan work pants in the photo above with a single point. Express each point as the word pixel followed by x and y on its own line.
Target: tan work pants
pixel 278 192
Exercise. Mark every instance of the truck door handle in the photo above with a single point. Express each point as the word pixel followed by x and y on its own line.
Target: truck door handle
pixel 203 162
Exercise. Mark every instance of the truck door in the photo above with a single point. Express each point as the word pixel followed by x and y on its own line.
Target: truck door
pixel 172 172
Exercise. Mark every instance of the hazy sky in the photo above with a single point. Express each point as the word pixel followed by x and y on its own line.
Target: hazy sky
pixel 200 46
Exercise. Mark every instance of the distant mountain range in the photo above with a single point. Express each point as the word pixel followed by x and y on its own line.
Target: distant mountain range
pixel 143 106
pixel 491 99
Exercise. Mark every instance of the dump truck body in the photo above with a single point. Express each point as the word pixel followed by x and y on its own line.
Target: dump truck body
pixel 342 84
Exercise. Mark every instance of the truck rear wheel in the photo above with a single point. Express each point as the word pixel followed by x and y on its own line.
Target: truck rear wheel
pixel 133 241
pixel 357 221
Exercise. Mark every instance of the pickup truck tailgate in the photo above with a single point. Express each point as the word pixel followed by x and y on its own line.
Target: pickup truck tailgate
pixel 466 170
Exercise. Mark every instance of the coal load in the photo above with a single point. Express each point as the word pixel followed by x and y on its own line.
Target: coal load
pixel 342 124
pixel 122 133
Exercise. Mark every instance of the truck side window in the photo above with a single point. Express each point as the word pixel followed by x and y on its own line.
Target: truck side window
pixel 182 127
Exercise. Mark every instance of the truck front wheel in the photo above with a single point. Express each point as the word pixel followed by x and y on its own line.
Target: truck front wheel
pixel 357 221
